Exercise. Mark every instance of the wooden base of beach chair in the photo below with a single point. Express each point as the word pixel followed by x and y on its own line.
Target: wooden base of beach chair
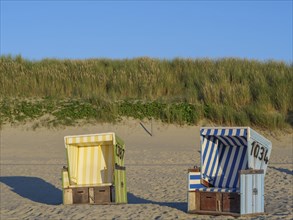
pixel 216 203
pixel 99 195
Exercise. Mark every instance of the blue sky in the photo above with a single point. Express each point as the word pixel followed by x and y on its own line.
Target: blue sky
pixel 259 30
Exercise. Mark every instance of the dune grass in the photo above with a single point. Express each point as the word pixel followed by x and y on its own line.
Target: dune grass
pixel 184 91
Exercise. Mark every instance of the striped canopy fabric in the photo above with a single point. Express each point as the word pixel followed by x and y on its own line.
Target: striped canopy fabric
pixel 90 158
pixel 223 154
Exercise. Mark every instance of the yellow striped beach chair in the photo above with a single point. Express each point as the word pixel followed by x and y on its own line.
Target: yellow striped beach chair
pixel 95 171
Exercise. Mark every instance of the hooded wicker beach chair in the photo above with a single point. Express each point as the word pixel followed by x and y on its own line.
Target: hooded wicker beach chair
pixel 230 179
pixel 95 171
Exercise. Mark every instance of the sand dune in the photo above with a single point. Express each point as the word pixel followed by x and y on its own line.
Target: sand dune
pixel 31 163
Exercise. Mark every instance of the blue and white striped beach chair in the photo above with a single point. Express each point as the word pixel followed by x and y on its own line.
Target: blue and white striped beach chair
pixel 232 159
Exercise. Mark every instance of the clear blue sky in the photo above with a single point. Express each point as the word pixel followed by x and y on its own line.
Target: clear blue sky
pixel 259 30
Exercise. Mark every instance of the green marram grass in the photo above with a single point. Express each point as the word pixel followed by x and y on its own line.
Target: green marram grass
pixel 183 91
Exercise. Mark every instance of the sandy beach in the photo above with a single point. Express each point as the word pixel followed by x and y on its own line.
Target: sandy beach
pixel 31 163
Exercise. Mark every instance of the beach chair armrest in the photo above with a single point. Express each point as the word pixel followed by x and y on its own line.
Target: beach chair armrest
pixel 206 183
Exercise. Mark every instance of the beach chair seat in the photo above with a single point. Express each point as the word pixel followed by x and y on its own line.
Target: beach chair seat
pixel 197 183
pixel 214 189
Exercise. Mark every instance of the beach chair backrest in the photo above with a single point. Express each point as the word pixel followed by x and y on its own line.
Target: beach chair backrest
pixel 90 158
pixel 227 150
pixel 223 154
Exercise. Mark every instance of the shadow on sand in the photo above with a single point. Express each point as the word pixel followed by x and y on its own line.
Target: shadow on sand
pixel 33 188
pixel 38 190
pixel 283 170
pixel 133 199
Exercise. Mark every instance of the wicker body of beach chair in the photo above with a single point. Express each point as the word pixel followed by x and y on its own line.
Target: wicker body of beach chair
pixel 230 180
pixel 95 172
